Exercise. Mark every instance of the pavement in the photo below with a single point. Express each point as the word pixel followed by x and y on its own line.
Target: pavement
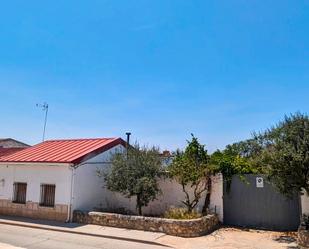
pixel 23 233
pixel 7 246
pixel 85 229
pixel 16 237
pixel 235 238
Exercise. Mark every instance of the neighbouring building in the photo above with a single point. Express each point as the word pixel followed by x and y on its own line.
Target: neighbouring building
pixel 10 146
pixel 12 143
pixel 51 179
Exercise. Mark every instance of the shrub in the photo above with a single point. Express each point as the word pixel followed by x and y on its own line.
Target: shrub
pixel 305 221
pixel 181 214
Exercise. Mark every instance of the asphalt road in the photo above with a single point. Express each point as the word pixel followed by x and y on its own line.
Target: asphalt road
pixel 31 238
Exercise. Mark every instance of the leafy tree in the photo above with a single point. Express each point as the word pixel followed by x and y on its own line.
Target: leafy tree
pixel 286 153
pixel 229 162
pixel 249 148
pixel 135 173
pixel 190 169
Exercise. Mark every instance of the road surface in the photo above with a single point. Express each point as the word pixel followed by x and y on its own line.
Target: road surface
pixel 14 237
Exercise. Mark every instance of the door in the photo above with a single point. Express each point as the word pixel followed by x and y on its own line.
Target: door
pixel 254 202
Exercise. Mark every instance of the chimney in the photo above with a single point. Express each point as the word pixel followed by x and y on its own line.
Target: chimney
pixel 128 138
pixel 128 142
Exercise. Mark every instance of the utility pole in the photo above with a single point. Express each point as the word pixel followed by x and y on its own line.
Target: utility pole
pixel 44 107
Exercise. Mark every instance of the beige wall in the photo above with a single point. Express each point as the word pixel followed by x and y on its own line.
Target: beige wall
pixel 34 210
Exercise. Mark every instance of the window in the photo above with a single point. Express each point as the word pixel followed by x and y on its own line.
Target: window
pixel 47 195
pixel 20 190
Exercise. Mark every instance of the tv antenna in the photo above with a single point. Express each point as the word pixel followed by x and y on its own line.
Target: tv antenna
pixel 44 107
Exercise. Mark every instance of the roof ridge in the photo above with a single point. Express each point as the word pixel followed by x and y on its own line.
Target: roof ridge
pixel 78 139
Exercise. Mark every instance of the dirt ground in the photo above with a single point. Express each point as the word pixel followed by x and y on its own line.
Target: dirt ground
pixel 232 238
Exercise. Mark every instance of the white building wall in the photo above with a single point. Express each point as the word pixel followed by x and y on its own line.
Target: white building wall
pixel 35 175
pixel 88 187
pixel 305 204
pixel 171 196
pixel 89 191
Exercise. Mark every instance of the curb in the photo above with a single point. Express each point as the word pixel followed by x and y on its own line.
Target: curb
pixel 27 225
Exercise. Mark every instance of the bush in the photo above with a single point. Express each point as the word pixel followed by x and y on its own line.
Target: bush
pixel 181 214
pixel 305 221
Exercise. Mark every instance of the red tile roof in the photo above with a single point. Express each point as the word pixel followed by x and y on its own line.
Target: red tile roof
pixel 63 151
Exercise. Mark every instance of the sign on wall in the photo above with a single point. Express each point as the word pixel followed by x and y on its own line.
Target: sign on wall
pixel 259 182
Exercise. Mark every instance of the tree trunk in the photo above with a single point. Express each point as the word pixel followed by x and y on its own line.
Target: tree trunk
pixel 190 209
pixel 187 199
pixel 207 198
pixel 138 204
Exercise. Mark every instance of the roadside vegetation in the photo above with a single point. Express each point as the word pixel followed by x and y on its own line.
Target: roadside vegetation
pixel 281 153
pixel 191 169
pixel 135 174
pixel 181 214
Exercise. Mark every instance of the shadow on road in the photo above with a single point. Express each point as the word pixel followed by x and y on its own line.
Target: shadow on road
pixel 41 222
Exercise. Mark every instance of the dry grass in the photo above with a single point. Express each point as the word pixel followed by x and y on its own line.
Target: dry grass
pixel 181 214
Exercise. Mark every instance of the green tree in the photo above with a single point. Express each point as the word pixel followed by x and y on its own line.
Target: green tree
pixel 230 162
pixel 249 148
pixel 286 153
pixel 190 169
pixel 135 173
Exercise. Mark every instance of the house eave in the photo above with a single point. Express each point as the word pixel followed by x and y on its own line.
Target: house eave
pixel 37 163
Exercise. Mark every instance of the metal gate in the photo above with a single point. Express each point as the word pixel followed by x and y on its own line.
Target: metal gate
pixel 255 203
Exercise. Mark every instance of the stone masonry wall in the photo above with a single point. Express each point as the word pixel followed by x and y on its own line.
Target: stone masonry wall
pixel 34 210
pixel 183 228
pixel 303 238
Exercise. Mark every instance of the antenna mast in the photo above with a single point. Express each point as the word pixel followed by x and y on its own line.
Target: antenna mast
pixel 44 107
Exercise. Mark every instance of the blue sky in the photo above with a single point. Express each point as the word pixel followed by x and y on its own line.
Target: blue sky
pixel 161 69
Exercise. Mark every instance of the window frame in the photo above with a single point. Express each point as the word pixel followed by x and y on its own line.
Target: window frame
pixel 51 201
pixel 16 195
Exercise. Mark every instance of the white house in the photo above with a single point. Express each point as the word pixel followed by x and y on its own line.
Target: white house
pixel 53 178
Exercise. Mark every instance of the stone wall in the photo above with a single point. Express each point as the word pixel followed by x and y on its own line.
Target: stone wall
pixel 303 238
pixel 34 210
pixel 183 228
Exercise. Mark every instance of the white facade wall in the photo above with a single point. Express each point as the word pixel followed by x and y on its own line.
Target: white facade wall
pixel 35 175
pixel 171 196
pixel 88 191
pixel 305 204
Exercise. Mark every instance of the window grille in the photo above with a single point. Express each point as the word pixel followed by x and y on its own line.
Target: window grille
pixel 20 191
pixel 47 195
